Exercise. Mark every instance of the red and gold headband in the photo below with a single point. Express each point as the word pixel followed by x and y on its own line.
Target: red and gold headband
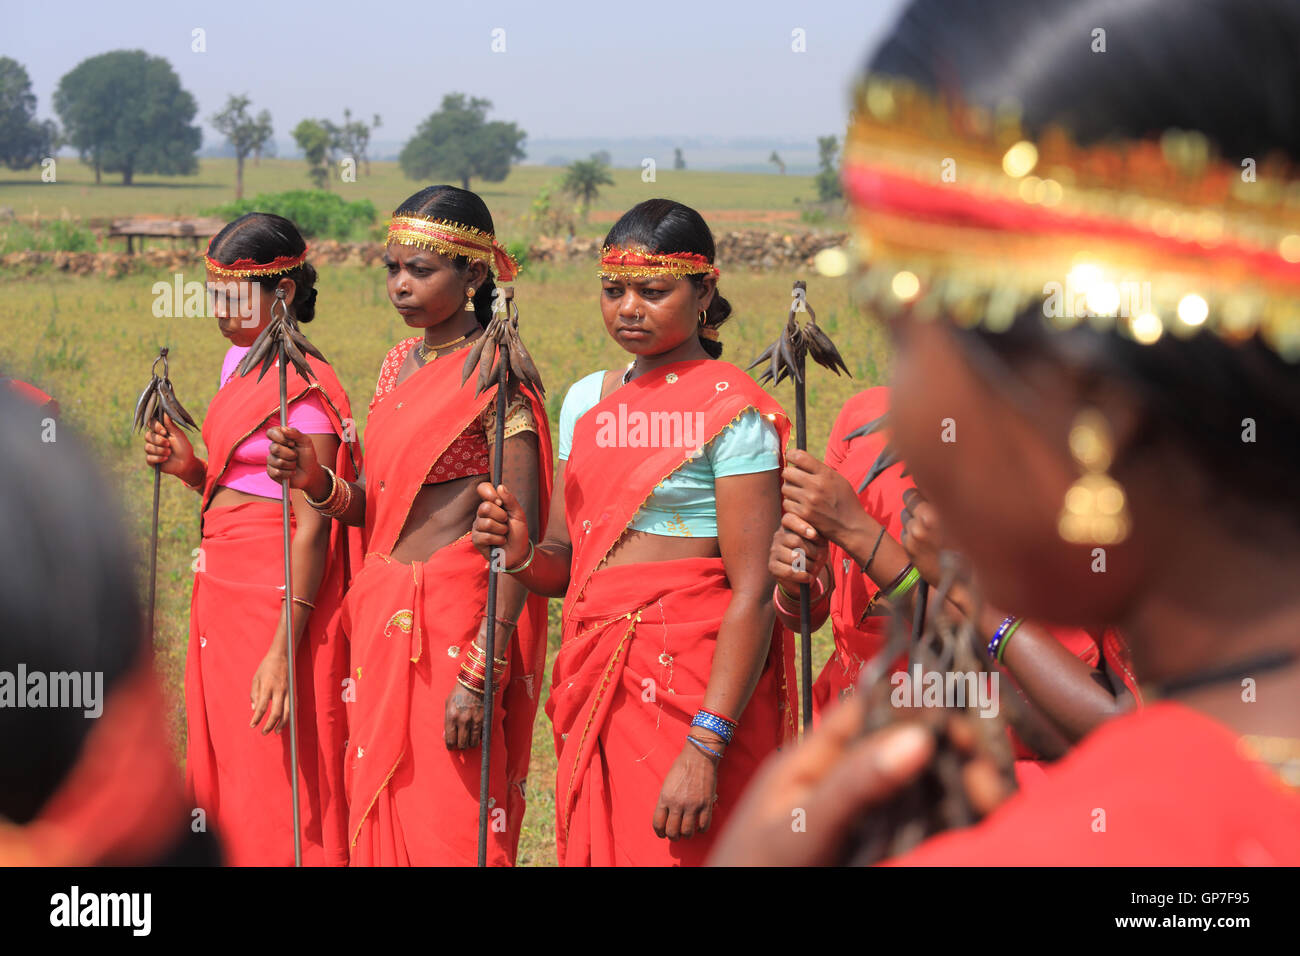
pixel 453 239
pixel 958 213
pixel 249 268
pixel 619 263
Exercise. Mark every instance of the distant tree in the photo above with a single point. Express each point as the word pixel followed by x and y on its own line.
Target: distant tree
pixel 126 112
pixel 457 143
pixel 776 160
pixel 353 137
pixel 828 179
pixel 24 140
pixel 264 143
pixel 313 138
pixel 679 161
pixel 603 156
pixel 583 179
pixel 244 133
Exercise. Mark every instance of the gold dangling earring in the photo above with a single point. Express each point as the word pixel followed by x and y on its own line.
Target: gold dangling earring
pixel 704 317
pixel 1095 510
pixel 469 300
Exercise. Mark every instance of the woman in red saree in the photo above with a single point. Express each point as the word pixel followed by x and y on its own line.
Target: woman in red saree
pixel 1119 439
pixel 669 686
pixel 415 615
pixel 1073 679
pixel 238 771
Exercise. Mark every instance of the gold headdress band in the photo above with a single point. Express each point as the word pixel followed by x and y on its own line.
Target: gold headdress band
pixel 958 213
pixel 453 239
pixel 249 268
pixel 619 263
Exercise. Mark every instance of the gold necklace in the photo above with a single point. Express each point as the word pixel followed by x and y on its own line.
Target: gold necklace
pixel 425 351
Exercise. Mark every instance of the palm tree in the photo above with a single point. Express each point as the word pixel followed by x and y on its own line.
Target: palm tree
pixel 584 178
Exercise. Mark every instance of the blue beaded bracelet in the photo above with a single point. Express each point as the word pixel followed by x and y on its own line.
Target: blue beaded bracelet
pixel 1000 635
pixel 703 746
pixel 723 728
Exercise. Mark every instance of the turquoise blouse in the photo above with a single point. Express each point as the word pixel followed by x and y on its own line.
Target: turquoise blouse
pixel 686 504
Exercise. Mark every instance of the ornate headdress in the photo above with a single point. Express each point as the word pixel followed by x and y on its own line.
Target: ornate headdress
pixel 959 213
pixel 620 263
pixel 453 239
pixel 249 268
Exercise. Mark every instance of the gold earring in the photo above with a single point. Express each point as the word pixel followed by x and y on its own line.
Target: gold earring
pixel 1095 510
pixel 469 300
pixel 704 317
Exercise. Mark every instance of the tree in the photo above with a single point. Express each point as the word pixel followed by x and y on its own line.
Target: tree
pixel 828 180
pixel 242 132
pixel 584 178
pixel 23 140
pixel 126 112
pixel 314 139
pixel 776 160
pixel 353 137
pixel 679 161
pixel 457 142
pixel 263 143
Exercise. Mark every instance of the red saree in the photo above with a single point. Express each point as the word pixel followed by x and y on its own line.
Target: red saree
pixel 1164 786
pixel 638 640
pixel 237 775
pixel 122 802
pixel 412 800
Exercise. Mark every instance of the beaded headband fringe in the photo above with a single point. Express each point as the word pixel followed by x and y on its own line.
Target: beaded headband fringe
pixel 249 268
pixel 453 239
pixel 959 214
pixel 619 263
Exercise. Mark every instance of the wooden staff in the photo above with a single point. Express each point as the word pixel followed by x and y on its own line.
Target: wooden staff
pixel 787 357
pixel 279 344
pixel 508 367
pixel 156 401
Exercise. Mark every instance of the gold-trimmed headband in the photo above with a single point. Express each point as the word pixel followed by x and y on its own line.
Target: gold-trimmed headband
pixel 959 213
pixel 453 239
pixel 620 263
pixel 250 268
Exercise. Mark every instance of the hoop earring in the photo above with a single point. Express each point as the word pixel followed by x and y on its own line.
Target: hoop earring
pixel 469 300
pixel 1095 510
pixel 704 317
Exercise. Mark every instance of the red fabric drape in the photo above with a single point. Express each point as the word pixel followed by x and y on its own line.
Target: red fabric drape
pixel 638 639
pixel 1164 786
pixel 238 776
pixel 413 801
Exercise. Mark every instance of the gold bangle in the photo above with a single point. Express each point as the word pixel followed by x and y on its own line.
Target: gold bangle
pixel 334 487
pixel 532 550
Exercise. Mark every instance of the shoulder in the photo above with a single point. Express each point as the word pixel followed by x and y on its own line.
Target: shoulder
pixel 582 395
pixel 865 406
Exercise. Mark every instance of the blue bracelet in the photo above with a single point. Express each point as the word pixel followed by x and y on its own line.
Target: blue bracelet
pixel 1000 635
pixel 724 729
pixel 703 746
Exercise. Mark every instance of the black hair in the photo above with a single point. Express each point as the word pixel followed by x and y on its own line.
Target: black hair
pixel 68 597
pixel 263 236
pixel 462 206
pixel 1227 69
pixel 662 225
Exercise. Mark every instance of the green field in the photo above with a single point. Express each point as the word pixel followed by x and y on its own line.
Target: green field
pixel 753 199
pixel 89 342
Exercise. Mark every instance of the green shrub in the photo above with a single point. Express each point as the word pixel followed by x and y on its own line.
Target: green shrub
pixel 56 235
pixel 317 213
pixel 519 250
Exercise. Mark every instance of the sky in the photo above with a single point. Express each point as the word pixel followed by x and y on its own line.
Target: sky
pixel 569 70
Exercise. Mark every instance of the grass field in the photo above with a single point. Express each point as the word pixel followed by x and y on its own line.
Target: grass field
pixel 742 199
pixel 89 342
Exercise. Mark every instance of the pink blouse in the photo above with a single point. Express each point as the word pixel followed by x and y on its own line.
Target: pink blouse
pixel 247 469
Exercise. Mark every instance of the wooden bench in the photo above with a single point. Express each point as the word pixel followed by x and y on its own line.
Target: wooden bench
pixel 142 227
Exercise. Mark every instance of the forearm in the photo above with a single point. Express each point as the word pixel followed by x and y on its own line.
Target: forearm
pixel 818 612
pixel 548 574
pixel 308 549
pixel 196 475
pixel 744 639
pixel 320 487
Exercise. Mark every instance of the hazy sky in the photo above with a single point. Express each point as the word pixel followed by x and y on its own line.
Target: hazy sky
pixel 570 69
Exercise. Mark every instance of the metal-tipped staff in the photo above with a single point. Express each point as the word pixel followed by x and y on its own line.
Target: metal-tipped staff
pixel 509 367
pixel 158 399
pixel 281 340
pixel 888 457
pixel 787 357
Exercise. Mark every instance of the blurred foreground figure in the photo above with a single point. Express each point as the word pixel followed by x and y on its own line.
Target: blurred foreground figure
pixel 1096 381
pixel 87 775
